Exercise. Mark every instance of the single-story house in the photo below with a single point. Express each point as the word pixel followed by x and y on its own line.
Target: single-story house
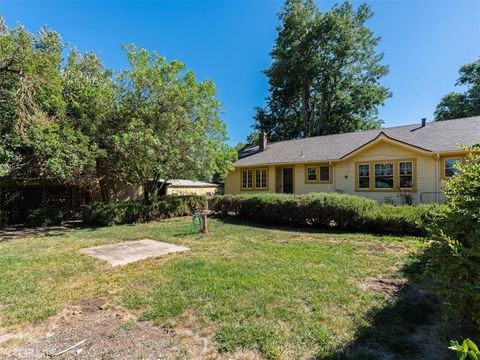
pixel 377 164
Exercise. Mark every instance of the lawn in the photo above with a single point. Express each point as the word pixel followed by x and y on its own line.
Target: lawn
pixel 280 293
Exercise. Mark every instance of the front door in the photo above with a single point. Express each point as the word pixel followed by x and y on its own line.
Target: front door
pixel 288 180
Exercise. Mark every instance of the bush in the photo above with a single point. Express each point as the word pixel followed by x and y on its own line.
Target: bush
pixel 455 255
pixel 44 217
pixel 106 214
pixel 326 210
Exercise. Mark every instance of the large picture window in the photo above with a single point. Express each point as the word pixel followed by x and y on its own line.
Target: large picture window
pixel 405 173
pixel 450 168
pixel 364 176
pixel 261 178
pixel 247 176
pixel 384 178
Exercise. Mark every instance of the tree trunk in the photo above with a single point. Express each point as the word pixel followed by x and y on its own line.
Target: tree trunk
pixel 306 111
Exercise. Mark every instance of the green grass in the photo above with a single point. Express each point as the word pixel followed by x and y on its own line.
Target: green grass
pixel 284 293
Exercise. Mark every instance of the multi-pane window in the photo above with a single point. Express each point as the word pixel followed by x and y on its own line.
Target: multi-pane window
pixel 384 175
pixel 247 182
pixel 312 173
pixel 364 176
pixel 450 168
pixel 324 173
pixel 405 174
pixel 261 178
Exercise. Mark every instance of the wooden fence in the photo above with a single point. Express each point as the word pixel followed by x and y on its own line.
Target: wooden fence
pixel 16 201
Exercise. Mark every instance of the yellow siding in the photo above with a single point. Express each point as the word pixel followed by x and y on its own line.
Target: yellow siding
pixel 343 172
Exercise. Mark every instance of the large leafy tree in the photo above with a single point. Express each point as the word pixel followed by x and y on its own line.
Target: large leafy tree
pixel 325 74
pixel 457 105
pixel 171 124
pixel 72 121
pixel 37 140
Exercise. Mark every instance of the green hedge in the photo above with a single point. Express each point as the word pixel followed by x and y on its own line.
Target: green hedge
pixel 326 210
pixel 106 214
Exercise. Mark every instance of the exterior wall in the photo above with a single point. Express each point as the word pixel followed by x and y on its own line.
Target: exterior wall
pixel 233 181
pixel 192 190
pixel 427 176
pixel 123 193
pixel 345 174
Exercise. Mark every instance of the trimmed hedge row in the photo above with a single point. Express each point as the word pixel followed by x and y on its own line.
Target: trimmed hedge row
pixel 327 210
pixel 106 214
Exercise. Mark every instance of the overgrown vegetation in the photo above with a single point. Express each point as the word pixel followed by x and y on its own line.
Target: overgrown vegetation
pixel 455 254
pixel 106 214
pixel 328 210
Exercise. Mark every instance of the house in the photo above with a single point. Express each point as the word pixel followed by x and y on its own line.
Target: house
pixel 378 164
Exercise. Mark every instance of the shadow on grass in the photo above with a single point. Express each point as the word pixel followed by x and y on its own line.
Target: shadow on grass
pixel 409 327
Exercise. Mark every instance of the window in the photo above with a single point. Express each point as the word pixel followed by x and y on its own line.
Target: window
pixel 261 178
pixel 312 173
pixel 364 176
pixel 324 173
pixel 405 173
pixel 247 179
pixel 450 168
pixel 384 175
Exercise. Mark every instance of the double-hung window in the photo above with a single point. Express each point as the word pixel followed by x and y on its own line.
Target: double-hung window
pixel 384 178
pixel 450 167
pixel 247 179
pixel 312 175
pixel 405 174
pixel 364 176
pixel 261 178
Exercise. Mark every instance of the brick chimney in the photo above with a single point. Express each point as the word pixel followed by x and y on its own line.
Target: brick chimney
pixel 424 122
pixel 262 141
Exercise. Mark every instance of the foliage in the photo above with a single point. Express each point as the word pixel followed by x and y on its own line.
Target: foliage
pixel 107 214
pixel 44 217
pixel 457 105
pixel 467 350
pixel 325 73
pixel 326 210
pixel 456 249
pixel 75 122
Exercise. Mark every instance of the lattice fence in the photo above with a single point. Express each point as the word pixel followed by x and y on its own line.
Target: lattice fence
pixel 17 201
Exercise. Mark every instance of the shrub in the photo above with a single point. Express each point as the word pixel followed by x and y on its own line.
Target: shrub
pixel 326 210
pixel 106 214
pixel 44 217
pixel 455 255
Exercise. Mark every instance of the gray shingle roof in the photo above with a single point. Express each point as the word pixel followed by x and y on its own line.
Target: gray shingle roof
pixel 435 137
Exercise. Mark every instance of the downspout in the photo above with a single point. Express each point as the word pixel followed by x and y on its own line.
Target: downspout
pixel 437 158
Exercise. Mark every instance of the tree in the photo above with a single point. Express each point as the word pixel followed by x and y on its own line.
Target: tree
pixel 37 140
pixel 170 125
pixel 457 105
pixel 324 78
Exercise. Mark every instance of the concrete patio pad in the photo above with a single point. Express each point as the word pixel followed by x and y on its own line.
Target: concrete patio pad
pixel 131 251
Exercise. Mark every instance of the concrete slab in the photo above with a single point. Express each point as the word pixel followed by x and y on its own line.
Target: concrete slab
pixel 131 251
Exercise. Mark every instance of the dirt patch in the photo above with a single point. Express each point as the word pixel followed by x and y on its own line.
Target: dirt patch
pixel 91 329
pixel 396 288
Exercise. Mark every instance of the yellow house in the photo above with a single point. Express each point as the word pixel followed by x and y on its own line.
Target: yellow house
pixel 378 164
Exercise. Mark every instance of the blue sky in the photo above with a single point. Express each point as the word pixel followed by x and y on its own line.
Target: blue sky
pixel 425 42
